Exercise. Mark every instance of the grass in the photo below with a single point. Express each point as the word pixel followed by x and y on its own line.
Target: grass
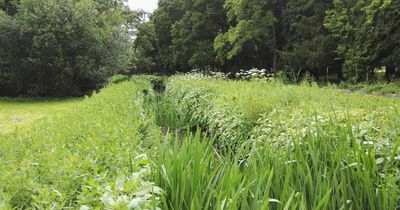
pixel 272 146
pixel 89 157
pixel 380 88
pixel 237 110
pixel 19 112
pixel 206 143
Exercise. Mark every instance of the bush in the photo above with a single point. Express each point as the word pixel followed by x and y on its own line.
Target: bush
pixel 61 47
pixel 118 79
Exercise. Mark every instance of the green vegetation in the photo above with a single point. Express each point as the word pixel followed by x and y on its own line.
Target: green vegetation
pixel 391 89
pixel 332 40
pixel 280 108
pixel 274 146
pixel 194 142
pixel 71 48
pixel 91 156
pixel 62 47
pixel 17 112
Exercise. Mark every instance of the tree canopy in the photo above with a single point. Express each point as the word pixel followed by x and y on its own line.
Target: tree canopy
pixel 69 47
pixel 348 38
pixel 61 47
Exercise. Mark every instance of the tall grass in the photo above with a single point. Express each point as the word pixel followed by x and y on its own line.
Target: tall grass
pixel 296 147
pixel 314 172
pixel 208 144
pixel 90 157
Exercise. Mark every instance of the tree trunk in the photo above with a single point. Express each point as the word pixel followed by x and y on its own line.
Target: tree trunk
pixel 327 74
pixel 275 50
pixel 390 70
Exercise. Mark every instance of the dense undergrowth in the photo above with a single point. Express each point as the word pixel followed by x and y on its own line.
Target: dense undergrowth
pixel 91 157
pixel 197 143
pixel 277 147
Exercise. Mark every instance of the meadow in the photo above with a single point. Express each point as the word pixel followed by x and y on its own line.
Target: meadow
pixel 19 112
pixel 192 142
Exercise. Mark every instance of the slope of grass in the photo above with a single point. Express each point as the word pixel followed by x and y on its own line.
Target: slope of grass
pixel 19 112
pixel 88 157
pixel 381 88
pixel 277 147
pixel 237 110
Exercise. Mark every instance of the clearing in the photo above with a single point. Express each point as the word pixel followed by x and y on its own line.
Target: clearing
pixel 18 112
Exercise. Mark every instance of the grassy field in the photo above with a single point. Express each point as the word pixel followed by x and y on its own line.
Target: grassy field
pixel 18 112
pixel 208 144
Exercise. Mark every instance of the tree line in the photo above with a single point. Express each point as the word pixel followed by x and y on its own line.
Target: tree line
pixel 63 47
pixel 351 39
pixel 71 47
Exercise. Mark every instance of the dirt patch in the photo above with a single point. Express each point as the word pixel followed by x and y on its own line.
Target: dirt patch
pixel 16 119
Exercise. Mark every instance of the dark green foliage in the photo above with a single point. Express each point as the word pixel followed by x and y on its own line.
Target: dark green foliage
pixel 185 33
pixel 193 35
pixel 310 47
pixel 118 79
pixel 158 84
pixel 252 39
pixel 10 7
pixel 60 48
pixel 332 40
pixel 368 33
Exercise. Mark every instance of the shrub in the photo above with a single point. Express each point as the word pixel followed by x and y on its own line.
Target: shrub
pixel 69 48
pixel 118 79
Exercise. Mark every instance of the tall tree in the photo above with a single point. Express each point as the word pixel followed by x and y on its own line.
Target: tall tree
pixel 383 19
pixel 167 14
pixel 310 47
pixel 145 45
pixel 255 33
pixel 193 35
pixel 368 33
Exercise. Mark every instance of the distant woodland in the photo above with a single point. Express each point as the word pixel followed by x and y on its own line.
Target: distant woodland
pixel 70 47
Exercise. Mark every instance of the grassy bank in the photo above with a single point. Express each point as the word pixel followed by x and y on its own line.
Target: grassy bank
pixel 387 89
pixel 89 157
pixel 271 146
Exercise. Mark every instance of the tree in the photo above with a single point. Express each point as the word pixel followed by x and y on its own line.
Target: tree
pixel 193 35
pixel 310 47
pixel 167 14
pixel 368 33
pixel 63 47
pixel 8 41
pixel 384 35
pixel 145 46
pixel 255 33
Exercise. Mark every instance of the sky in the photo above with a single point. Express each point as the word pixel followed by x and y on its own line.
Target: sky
pixel 147 5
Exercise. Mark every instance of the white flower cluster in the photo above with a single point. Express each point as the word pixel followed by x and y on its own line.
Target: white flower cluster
pixel 253 74
pixel 198 74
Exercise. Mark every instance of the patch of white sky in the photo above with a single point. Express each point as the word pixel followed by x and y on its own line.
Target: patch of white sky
pixel 146 5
